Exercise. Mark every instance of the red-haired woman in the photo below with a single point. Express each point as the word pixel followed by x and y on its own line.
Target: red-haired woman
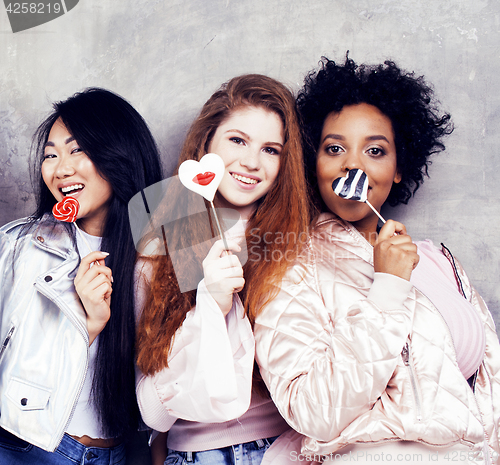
pixel 196 348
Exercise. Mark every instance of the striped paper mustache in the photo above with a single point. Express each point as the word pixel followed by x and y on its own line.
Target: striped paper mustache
pixel 354 186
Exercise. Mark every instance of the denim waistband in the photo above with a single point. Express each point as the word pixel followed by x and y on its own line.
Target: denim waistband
pixel 255 445
pixel 76 451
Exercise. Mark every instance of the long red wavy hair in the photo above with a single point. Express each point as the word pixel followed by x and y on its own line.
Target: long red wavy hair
pixel 281 215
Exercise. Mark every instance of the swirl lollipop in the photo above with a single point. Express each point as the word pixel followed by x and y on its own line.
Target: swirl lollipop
pixel 354 186
pixel 66 210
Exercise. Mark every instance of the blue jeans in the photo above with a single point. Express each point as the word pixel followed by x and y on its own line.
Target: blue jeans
pixel 15 451
pixel 250 453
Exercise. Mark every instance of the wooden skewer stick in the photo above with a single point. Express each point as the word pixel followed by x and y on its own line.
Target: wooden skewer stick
pixel 219 228
pixel 375 211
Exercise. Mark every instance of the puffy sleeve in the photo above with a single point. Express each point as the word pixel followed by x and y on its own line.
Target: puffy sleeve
pixel 209 377
pixel 325 365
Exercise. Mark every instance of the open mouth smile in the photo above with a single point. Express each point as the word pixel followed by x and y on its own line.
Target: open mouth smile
pixel 244 179
pixel 72 189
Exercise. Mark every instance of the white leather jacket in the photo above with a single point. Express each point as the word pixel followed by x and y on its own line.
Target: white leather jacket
pixel 43 332
pixel 350 356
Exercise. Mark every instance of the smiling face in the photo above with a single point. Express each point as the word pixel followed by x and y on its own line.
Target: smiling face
pixel 68 172
pixel 249 142
pixel 359 136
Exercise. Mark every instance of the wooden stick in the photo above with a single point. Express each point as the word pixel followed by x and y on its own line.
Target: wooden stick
pixel 83 237
pixel 219 228
pixel 375 211
pixel 86 242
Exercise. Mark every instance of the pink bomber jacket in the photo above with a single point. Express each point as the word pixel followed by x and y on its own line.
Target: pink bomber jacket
pixel 356 357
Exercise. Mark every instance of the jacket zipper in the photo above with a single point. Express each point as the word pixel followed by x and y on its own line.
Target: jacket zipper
pixel 82 382
pixel 80 388
pixel 451 259
pixel 6 341
pixel 447 253
pixel 405 355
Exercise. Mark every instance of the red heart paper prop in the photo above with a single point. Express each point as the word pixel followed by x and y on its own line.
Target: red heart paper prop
pixel 203 177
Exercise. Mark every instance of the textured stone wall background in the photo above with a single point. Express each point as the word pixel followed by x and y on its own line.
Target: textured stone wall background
pixel 167 57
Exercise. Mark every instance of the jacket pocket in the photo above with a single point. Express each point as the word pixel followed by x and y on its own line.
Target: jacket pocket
pixel 27 396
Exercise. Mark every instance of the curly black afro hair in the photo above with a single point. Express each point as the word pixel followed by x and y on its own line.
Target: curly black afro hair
pixel 405 99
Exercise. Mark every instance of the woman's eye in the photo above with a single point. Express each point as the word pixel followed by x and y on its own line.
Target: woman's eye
pixel 48 155
pixel 76 150
pixel 376 151
pixel 271 150
pixel 237 140
pixel 334 149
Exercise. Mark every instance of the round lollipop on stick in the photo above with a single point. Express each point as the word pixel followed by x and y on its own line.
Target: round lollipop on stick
pixel 203 178
pixel 67 210
pixel 354 186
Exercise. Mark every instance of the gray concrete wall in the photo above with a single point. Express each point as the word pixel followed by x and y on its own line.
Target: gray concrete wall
pixel 167 57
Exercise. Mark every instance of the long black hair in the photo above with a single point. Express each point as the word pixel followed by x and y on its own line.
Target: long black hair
pixel 120 145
